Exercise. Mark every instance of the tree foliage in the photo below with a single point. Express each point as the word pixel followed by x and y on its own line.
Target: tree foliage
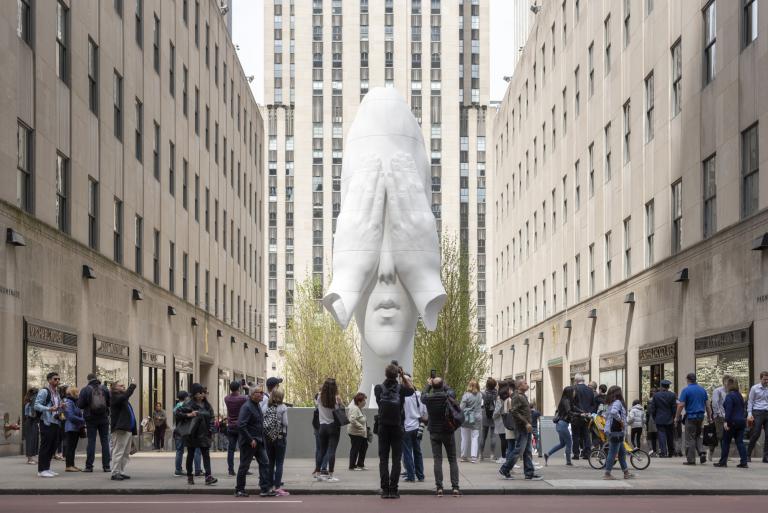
pixel 317 348
pixel 452 349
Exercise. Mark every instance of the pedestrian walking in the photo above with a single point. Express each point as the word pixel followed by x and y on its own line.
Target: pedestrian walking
pixel 585 400
pixel 651 431
pixel 472 407
pixel 160 421
pixel 234 401
pixel 415 417
pixel 181 397
pixel 74 423
pixel 718 412
pixel 358 432
pixel 436 396
pixel 635 422
pixel 518 407
pixel 498 421
pixel 757 415
pixel 276 438
pixel 124 427
pixel 696 403
pixel 488 426
pixel 329 430
pixel 615 425
pixel 250 423
pixel 536 433
pixel 567 411
pixel 196 417
pixel 31 426
pixel 663 405
pixel 94 400
pixel 48 405
pixel 734 425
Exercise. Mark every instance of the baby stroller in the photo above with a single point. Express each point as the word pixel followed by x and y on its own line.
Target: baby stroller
pixel 638 458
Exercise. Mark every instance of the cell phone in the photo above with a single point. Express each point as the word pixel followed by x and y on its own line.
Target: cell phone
pixel 394 362
pixel 433 373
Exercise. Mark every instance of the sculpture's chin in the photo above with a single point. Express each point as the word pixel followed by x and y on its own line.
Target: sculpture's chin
pixel 386 343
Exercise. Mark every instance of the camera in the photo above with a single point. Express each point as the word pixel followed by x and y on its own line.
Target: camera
pixel 433 373
pixel 394 362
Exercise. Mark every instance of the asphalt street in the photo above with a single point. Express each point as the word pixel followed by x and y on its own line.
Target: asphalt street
pixel 372 504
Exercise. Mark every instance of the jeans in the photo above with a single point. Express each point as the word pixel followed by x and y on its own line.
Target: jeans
pixel 737 433
pixel 180 456
pixel 522 445
pixel 469 438
pixel 653 439
pixel 247 454
pixel 616 446
pixel 390 441
pixel 761 424
pixel 48 434
pixel 565 441
pixel 329 440
pixel 582 441
pixel 636 437
pixel 693 442
pixel 666 440
pixel 70 446
pixel 357 451
pixel 158 437
pixel 413 461
pixel 231 447
pixel 31 437
pixel 440 440
pixel 503 442
pixel 193 453
pixel 487 430
pixel 276 456
pixel 100 428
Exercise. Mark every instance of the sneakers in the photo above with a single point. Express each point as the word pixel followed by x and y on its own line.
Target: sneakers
pixel 209 480
pixel 608 477
pixel 88 469
pixel 534 477
pixel 281 492
pixel 268 493
pixel 501 460
pixel 46 473
pixel 718 464
pixel 176 473
pixel 72 469
pixel 703 458
pixel 231 473
pixel 241 493
pixel 742 465
pixel 332 479
pixel 628 474
pixel 117 477
pixel 199 473
pixel 504 476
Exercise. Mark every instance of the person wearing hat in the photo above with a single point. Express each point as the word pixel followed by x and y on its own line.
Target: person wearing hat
pixel 199 412
pixel 272 383
pixel 234 402
pixel 696 403
pixel 663 412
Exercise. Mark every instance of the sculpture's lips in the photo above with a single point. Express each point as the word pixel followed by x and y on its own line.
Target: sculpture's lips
pixel 387 308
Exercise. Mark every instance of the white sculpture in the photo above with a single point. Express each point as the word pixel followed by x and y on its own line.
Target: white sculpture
pixel 386 254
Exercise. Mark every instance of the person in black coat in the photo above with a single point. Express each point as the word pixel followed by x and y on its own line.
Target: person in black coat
pixel 123 423
pixel 663 407
pixel 584 398
pixel 250 424
pixel 435 397
pixel 96 420
pixel 195 417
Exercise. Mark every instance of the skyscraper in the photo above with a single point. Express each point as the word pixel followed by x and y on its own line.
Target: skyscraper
pixel 436 54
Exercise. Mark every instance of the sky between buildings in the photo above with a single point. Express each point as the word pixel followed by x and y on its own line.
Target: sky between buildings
pixel 248 34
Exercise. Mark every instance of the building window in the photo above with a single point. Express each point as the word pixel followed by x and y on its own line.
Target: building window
pixel 608 258
pixel 650 231
pixel 93 77
pixel 578 277
pixel 627 248
pixel 62 193
pixel 710 196
pixel 749 171
pixel 591 269
pixel 62 42
pixel 577 186
pixel 184 275
pixel 24 21
pixel 184 184
pixel 197 111
pixel 119 7
pixel 710 39
pixel 156 257
pixel 172 69
pixel 117 232
pixel 677 216
pixel 649 104
pixel 93 214
pixel 184 91
pixel 171 168
pixel 607 40
pixel 24 167
pixel 117 97
pixel 576 93
pixel 171 266
pixel 607 136
pixel 591 68
pixel 140 23
pixel 749 20
pixel 197 25
pixel 197 198
pixel 156 152
pixel 156 44
pixel 677 77
pixel 139 244
pixel 591 151
pixel 207 210
pixel 626 22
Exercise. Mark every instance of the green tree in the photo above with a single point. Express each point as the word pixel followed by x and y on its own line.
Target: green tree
pixel 317 348
pixel 452 349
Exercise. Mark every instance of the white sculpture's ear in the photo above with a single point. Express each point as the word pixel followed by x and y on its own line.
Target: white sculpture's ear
pixel 432 309
pixel 334 304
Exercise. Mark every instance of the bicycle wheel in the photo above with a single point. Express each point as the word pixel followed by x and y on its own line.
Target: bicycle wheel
pixel 597 458
pixel 639 459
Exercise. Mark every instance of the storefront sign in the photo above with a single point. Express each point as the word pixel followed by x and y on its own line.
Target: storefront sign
pixel 110 348
pixel 37 333
pixel 224 374
pixel 723 341
pixel 580 367
pixel 519 377
pixel 657 353
pixel 183 365
pixel 537 375
pixel 151 358
pixel 614 361
pixel 5 291
pixel 554 362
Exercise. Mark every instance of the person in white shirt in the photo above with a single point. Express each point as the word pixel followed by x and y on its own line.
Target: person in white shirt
pixel 718 412
pixel 415 415
pixel 757 415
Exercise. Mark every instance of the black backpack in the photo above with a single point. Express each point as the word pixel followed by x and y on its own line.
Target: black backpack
pixel 390 407
pixel 98 404
pixel 489 401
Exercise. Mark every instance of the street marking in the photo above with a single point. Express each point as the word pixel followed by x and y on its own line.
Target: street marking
pixel 233 501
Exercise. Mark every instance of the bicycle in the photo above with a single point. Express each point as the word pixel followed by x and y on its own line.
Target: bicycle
pixel 638 458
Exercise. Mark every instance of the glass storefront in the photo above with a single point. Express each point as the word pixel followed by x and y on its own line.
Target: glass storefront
pixel 111 361
pixel 582 367
pixel 725 353
pixel 49 349
pixel 657 361
pixel 152 383
pixel 613 371
pixel 225 377
pixel 183 374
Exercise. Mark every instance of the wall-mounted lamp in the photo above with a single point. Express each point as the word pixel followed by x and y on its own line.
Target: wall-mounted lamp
pixel 540 336
pixel 14 238
pixel 88 272
pixel 194 321
pixel 232 339
pixel 137 295
pixel 568 324
pixel 171 310
pixel 219 333
pixel 630 298
pixel 682 275
pixel 245 345
pixel 592 314
pixel 525 343
pixel 759 244
pixel 256 350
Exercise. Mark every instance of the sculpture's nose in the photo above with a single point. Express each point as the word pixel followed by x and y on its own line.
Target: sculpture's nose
pixel 387 274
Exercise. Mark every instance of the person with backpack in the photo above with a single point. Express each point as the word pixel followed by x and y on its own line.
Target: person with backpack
pixel 276 438
pixel 49 407
pixel 94 400
pixel 518 408
pixel 436 396
pixel 471 407
pixel 390 397
pixel 415 415
pixel 234 401
pixel 358 432
pixel 488 424
pixel 124 428
pixel 31 427
pixel 196 416
pixel 182 396
pixel 329 429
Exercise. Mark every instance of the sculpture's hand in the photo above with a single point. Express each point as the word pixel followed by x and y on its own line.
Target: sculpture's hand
pixel 357 242
pixel 413 236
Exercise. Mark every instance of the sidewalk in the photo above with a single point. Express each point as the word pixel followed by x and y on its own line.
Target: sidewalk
pixel 151 473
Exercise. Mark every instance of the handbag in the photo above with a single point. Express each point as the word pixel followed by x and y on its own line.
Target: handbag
pixel 369 435
pixel 340 416
pixel 83 433
pixel 185 428
pixel 709 435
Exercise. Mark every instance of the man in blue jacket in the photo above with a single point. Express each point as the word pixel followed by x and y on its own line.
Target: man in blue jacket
pixel 696 403
pixel 94 400
pixel 250 423
pixel 663 407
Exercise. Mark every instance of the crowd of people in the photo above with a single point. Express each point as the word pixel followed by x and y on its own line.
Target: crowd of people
pixel 256 427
